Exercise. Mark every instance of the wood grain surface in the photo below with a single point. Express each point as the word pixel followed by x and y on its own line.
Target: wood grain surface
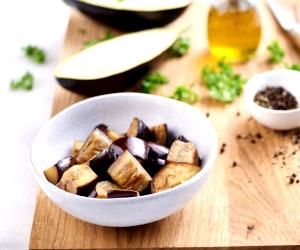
pixel 250 205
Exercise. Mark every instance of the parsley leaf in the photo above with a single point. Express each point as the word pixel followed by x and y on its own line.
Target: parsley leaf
pixel 152 81
pixel 276 52
pixel 182 93
pixel 35 53
pixel 180 47
pixel 25 82
pixel 294 66
pixel 108 35
pixel 223 84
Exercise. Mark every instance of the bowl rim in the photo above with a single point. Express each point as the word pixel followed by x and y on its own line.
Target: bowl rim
pixel 251 81
pixel 204 171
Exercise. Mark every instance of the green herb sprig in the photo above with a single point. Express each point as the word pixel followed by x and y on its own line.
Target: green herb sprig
pixel 276 52
pixel 180 47
pixel 184 94
pixel 152 81
pixel 35 53
pixel 24 83
pixel 222 83
pixel 294 66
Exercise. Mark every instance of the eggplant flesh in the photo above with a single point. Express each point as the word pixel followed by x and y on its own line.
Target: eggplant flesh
pixel 128 20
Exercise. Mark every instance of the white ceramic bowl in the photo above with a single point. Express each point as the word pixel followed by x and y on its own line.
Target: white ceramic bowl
pixel 54 141
pixel 274 119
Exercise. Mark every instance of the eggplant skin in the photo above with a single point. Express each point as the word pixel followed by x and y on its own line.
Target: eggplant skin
pixel 128 20
pixel 111 84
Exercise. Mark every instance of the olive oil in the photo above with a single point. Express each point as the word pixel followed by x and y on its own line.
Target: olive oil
pixel 234 30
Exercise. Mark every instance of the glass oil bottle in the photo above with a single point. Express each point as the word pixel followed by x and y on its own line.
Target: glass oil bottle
pixel 234 30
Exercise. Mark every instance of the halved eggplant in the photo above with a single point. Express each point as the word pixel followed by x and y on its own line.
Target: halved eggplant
pixel 76 178
pixel 116 64
pixel 132 15
pixel 128 173
pixel 140 130
pixel 172 175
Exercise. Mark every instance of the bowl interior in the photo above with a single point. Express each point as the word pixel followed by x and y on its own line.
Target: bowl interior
pixel 55 139
pixel 288 79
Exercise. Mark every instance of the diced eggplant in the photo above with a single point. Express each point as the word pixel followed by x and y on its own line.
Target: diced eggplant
pixel 111 134
pixel 160 133
pixel 93 194
pixel 135 146
pixel 77 145
pixel 172 175
pixel 88 71
pixel 182 138
pixel 104 186
pixel 183 152
pixel 122 194
pixel 132 15
pixel 96 142
pixel 173 137
pixel 156 159
pixel 54 173
pixel 100 163
pixel 128 173
pixel 140 130
pixel 77 178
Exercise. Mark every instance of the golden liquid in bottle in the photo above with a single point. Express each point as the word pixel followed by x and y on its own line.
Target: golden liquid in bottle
pixel 233 34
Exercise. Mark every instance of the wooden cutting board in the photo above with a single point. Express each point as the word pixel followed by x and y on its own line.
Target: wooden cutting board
pixel 251 204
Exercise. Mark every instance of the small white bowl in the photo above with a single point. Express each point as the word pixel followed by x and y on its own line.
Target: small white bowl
pixel 116 110
pixel 274 119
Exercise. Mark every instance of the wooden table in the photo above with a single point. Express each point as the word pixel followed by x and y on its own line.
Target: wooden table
pixel 250 205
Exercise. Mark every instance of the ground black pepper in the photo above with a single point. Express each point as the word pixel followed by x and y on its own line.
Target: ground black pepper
pixel 276 98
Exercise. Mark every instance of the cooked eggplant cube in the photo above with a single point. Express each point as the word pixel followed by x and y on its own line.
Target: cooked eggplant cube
pixel 77 145
pixel 103 186
pixel 96 142
pixel 185 152
pixel 160 133
pixel 156 159
pixel 111 134
pixel 172 175
pixel 140 130
pixel 77 178
pixel 137 147
pixel 100 163
pixel 128 173
pixel 122 194
pixel 52 174
pixel 93 194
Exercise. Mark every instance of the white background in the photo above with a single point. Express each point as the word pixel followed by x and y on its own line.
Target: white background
pixel 23 22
